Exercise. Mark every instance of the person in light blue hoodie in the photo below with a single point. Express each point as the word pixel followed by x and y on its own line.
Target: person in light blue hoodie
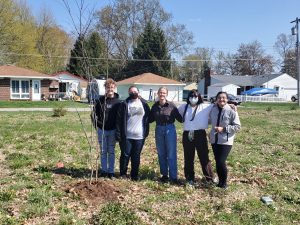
pixel 225 124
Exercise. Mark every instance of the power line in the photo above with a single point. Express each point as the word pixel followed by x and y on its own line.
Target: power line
pixel 138 60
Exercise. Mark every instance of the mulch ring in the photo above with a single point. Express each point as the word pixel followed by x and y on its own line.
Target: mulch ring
pixel 97 192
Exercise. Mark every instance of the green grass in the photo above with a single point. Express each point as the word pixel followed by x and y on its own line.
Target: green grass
pixel 42 104
pixel 264 161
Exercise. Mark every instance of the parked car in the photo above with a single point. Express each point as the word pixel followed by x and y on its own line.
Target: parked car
pixel 294 98
pixel 231 99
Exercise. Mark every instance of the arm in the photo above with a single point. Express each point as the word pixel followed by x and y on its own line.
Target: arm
pixel 151 115
pixel 177 115
pixel 235 125
pixel 119 122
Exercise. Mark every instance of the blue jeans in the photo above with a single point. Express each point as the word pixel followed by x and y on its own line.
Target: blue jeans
pixel 131 149
pixel 107 142
pixel 166 144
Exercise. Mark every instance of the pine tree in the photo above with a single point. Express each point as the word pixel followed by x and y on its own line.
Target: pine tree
pixel 151 47
pixel 77 64
pixel 87 56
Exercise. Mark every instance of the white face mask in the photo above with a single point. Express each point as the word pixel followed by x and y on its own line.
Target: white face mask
pixel 193 100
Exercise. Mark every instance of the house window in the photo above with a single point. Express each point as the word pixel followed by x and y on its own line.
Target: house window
pixel 62 87
pixel 20 89
pixel 276 88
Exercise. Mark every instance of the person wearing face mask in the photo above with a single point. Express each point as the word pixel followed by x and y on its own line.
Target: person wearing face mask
pixel 195 120
pixel 164 114
pixel 132 128
pixel 225 124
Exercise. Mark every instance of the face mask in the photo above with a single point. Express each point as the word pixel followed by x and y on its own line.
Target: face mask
pixel 193 101
pixel 134 95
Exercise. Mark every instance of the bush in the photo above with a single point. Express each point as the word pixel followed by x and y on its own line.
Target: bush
pixel 294 107
pixel 269 109
pixel 60 111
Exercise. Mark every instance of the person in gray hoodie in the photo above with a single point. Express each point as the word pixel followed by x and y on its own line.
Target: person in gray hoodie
pixel 225 123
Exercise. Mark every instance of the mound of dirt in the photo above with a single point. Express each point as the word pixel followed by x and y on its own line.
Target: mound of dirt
pixel 94 193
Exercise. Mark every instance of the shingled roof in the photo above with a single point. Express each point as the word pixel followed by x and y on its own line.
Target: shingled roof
pixel 12 71
pixel 150 78
pixel 253 80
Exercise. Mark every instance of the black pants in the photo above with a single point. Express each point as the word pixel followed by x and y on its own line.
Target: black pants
pixel 200 144
pixel 221 153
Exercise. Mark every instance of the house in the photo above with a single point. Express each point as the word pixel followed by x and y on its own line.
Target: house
pixel 148 85
pixel 68 83
pixel 18 83
pixel 213 89
pixel 282 82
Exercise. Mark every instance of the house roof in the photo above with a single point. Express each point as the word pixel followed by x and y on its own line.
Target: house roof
pixel 150 79
pixel 247 80
pixel 11 71
pixel 191 86
pixel 69 74
pixel 221 85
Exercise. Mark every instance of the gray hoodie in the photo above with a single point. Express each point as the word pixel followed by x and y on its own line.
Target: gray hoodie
pixel 229 119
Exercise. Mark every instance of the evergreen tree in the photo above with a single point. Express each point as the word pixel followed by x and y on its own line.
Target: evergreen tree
pixel 96 52
pixel 87 56
pixel 151 46
pixel 77 64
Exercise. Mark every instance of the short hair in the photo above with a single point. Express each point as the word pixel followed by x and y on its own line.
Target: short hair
pixel 133 86
pixel 163 87
pixel 109 81
pixel 194 93
pixel 222 92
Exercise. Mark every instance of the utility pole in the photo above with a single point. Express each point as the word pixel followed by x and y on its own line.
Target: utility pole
pixel 295 31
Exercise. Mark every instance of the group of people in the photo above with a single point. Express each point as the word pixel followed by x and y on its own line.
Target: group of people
pixel 128 123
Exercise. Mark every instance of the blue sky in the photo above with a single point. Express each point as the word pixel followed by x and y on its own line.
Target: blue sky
pixel 219 24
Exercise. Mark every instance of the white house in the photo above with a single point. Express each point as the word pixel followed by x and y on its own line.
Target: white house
pixel 283 83
pixel 69 82
pixel 213 89
pixel 148 85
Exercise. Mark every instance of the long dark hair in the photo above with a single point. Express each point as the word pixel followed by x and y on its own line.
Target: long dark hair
pixel 194 93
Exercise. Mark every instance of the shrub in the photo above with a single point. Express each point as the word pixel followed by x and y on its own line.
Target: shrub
pixel 293 107
pixel 269 109
pixel 60 111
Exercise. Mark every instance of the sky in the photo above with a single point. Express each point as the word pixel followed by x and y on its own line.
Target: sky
pixel 219 24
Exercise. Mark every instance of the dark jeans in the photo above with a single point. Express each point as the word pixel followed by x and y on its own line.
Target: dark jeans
pixel 131 149
pixel 221 153
pixel 200 144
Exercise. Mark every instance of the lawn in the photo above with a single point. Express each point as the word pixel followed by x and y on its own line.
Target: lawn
pixel 36 189
pixel 42 104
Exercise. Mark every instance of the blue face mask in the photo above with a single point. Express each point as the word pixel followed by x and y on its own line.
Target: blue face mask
pixel 193 100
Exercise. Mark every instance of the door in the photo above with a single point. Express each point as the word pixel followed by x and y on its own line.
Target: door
pixel 36 90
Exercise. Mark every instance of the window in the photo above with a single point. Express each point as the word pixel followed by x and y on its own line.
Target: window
pixel 276 88
pixel 62 87
pixel 20 89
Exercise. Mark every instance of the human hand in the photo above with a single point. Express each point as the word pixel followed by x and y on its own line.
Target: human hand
pixel 219 129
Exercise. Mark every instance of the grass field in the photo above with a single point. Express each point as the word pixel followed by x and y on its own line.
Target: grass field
pixel 41 104
pixel 265 161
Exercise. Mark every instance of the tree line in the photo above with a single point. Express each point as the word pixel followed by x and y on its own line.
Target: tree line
pixel 123 39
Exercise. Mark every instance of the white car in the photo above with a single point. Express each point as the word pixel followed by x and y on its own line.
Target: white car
pixel 294 98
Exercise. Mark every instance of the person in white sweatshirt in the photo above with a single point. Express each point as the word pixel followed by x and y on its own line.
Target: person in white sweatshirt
pixel 195 115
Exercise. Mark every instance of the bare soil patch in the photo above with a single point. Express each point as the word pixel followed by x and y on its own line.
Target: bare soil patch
pixel 95 193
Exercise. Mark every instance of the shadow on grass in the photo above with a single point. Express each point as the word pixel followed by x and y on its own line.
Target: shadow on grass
pixel 72 172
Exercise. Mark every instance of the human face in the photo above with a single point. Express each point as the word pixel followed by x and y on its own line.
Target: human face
pixel 162 95
pixel 133 93
pixel 110 90
pixel 222 100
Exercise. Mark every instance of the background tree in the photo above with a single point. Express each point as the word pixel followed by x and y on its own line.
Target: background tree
pixel 51 48
pixel 285 47
pixel 252 60
pixel 151 47
pixel 122 22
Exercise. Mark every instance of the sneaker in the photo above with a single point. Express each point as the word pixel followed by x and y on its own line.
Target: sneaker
pixel 135 178
pixel 103 174
pixel 190 183
pixel 175 182
pixel 124 177
pixel 223 186
pixel 164 179
pixel 110 175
